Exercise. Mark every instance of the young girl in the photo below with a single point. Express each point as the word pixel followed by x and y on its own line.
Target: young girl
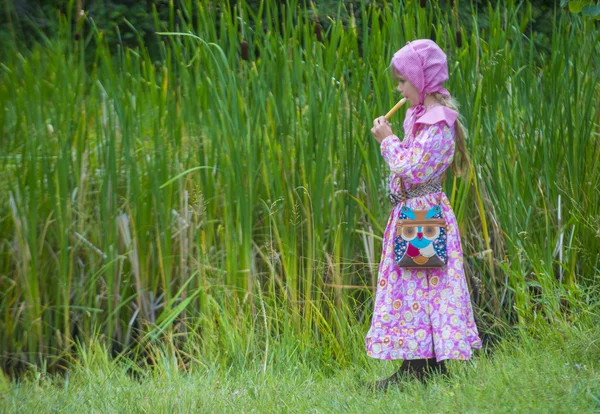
pixel 422 316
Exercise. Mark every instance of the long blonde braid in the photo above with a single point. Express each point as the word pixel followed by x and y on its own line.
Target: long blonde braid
pixel 460 165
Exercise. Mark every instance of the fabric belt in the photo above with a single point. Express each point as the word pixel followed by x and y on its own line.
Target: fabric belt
pixel 420 190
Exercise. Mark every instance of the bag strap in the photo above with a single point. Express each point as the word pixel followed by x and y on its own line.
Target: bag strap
pixel 403 192
pixel 442 181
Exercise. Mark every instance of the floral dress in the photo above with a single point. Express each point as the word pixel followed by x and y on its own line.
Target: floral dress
pixel 422 313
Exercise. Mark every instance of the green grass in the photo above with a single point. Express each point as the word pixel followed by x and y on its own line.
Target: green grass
pixel 558 373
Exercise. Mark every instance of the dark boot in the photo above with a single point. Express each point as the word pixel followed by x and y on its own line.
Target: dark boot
pixel 423 369
pixel 418 368
pixel 415 368
pixel 435 368
pixel 383 384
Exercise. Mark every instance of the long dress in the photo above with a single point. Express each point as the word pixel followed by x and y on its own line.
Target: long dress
pixel 422 313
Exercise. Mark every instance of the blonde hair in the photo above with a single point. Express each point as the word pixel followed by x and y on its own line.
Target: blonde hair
pixel 460 165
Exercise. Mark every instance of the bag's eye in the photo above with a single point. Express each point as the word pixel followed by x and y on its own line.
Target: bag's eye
pixel 409 231
pixel 429 231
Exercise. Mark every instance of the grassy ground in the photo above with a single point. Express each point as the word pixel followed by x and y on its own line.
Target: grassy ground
pixel 557 373
pixel 236 207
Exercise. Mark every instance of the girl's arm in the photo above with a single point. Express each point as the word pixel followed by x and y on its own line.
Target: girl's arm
pixel 432 150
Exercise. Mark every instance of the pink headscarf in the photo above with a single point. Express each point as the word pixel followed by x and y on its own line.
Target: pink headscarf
pixel 424 64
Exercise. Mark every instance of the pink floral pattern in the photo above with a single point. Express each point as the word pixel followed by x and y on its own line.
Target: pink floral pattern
pixel 423 313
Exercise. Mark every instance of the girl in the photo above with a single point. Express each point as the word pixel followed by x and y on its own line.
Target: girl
pixel 422 316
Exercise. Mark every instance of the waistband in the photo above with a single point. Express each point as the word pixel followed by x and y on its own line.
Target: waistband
pixel 418 191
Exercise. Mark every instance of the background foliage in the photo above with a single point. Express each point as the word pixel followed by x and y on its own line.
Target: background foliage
pixel 211 183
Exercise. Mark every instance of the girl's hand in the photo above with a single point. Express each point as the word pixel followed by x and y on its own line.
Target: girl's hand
pixel 381 129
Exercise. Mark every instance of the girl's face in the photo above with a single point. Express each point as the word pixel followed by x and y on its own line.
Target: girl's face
pixel 407 89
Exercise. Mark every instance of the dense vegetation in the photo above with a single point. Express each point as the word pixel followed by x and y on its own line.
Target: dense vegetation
pixel 221 193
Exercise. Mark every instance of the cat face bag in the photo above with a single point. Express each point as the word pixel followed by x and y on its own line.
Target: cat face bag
pixel 420 240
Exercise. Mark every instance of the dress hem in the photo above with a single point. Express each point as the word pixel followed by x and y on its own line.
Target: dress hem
pixel 387 357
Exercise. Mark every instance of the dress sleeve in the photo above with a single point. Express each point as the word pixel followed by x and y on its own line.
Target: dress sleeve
pixel 431 152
